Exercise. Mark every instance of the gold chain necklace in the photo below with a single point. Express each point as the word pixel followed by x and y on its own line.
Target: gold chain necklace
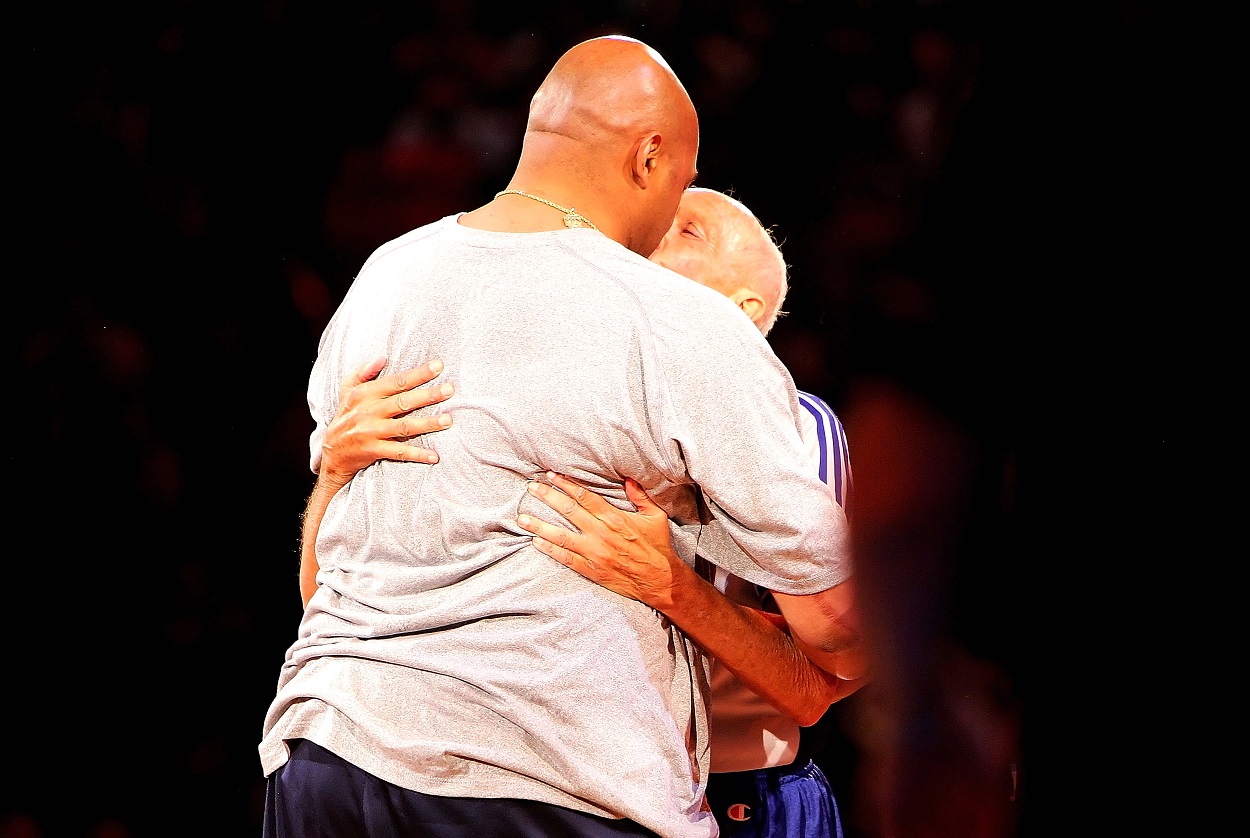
pixel 572 218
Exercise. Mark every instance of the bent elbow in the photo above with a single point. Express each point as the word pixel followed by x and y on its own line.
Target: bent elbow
pixel 806 708
pixel 808 716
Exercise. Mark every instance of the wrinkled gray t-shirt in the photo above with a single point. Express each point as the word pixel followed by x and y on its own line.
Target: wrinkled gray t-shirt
pixel 445 654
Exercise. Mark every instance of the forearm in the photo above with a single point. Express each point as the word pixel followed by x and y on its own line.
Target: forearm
pixel 754 648
pixel 376 420
pixel 318 502
pixel 631 553
pixel 825 627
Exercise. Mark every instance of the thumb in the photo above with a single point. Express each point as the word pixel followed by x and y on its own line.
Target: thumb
pixel 366 372
pixel 640 499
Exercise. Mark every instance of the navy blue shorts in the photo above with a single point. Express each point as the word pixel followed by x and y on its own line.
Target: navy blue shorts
pixel 789 801
pixel 320 795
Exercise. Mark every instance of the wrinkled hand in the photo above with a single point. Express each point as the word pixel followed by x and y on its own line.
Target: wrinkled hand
pixel 374 418
pixel 630 553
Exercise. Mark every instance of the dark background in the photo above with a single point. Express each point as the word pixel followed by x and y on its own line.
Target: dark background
pixel 191 186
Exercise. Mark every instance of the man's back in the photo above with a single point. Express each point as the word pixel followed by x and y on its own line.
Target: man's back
pixel 457 659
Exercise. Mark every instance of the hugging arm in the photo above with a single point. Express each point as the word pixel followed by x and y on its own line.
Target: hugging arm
pixel 372 423
pixel 631 553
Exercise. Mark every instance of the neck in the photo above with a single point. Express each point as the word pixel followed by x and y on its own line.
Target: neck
pixel 572 218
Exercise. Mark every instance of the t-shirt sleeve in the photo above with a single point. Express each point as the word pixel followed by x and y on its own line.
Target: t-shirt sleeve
pixel 768 516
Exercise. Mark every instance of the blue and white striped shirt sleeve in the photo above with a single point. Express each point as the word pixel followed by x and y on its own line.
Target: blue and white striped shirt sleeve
pixel 826 441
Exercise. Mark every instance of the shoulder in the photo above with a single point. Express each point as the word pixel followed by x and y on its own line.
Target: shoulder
pixel 616 260
pixel 403 244
pixel 819 421
pixel 825 438
pixel 680 309
pixel 818 409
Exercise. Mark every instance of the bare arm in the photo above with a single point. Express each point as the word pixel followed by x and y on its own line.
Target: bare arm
pixel 631 553
pixel 826 627
pixel 372 422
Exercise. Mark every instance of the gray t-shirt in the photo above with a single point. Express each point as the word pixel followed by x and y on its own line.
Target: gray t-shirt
pixel 441 651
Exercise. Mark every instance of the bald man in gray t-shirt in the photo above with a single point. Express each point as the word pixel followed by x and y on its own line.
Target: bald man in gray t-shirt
pixel 442 653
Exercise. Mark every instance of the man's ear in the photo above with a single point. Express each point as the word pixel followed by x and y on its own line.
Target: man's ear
pixel 646 158
pixel 751 303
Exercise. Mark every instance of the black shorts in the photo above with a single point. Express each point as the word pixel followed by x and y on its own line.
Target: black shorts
pixel 320 795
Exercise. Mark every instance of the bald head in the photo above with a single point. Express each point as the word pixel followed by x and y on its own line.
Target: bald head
pixel 603 88
pixel 613 133
pixel 716 241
